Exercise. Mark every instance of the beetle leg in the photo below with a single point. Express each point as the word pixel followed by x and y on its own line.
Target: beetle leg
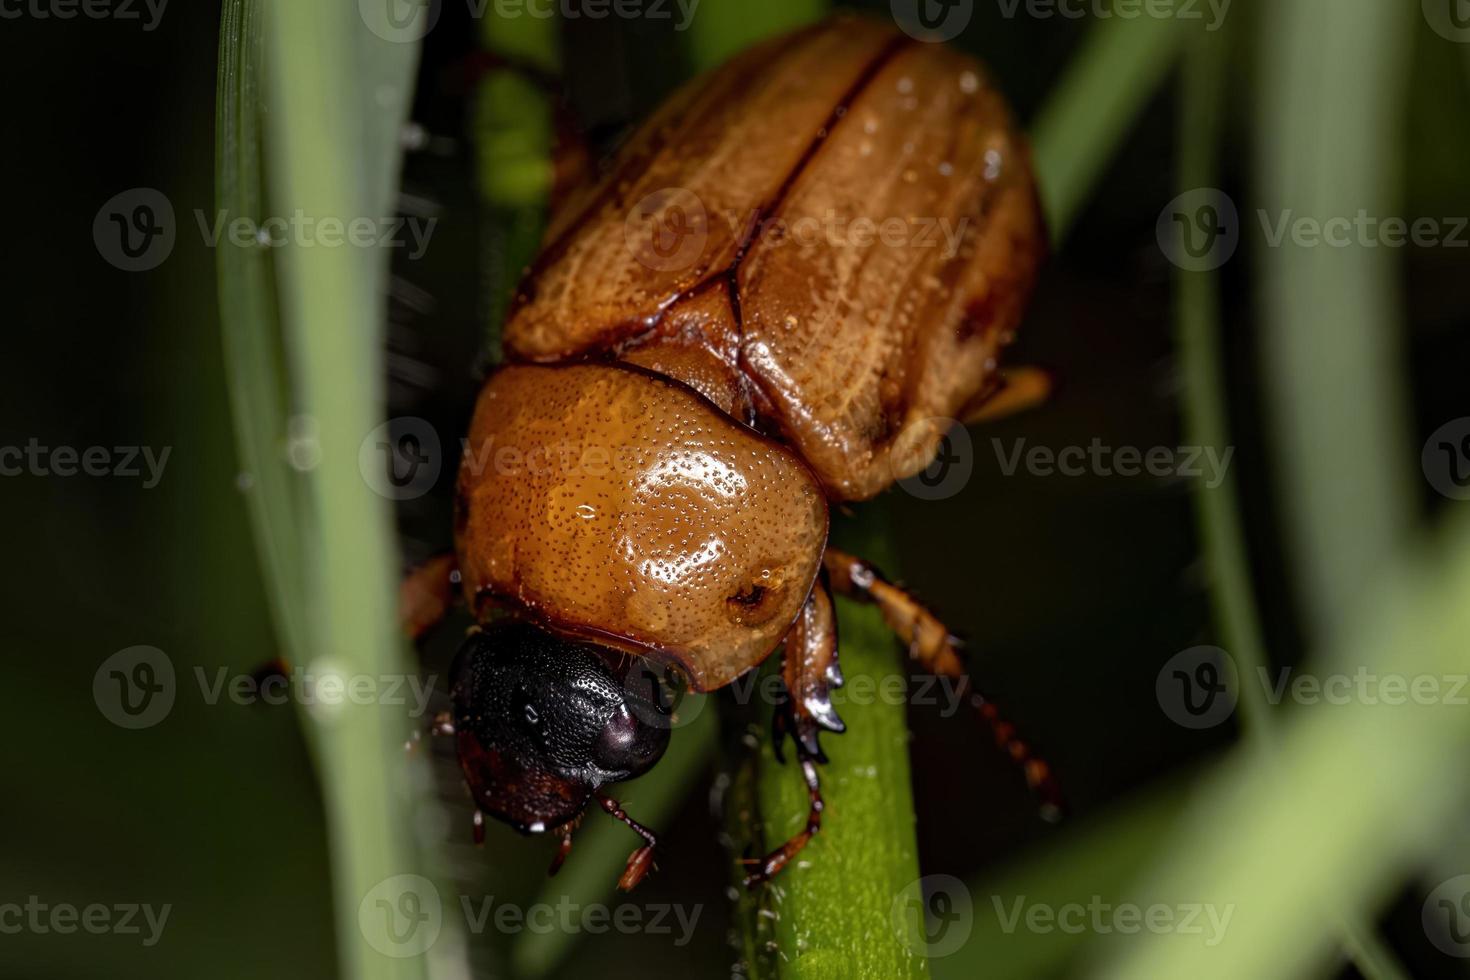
pixel 935 649
pixel 443 724
pixel 1020 388
pixel 640 860
pixel 810 671
pixel 561 854
pixel 426 593
pixel 770 865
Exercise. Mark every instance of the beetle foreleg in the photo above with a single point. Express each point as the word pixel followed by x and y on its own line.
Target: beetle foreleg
pixel 810 671
pixel 770 865
pixel 641 860
pixel 936 651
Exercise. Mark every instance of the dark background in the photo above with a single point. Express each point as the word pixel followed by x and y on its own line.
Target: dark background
pixel 1072 592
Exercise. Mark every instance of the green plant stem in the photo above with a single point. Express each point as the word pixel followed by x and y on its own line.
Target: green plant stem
pixel 833 907
pixel 1121 65
pixel 337 95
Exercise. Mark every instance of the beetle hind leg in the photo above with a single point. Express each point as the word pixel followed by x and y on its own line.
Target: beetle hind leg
pixel 936 650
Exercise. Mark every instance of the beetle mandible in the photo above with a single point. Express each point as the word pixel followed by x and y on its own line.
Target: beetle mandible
pixel 689 385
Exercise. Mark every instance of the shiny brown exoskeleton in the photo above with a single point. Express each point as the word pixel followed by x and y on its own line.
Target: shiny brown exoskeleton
pixel 693 378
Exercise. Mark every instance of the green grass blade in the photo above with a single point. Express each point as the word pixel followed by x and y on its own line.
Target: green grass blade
pixel 1359 791
pixel 1121 65
pixel 1332 353
pixel 1204 404
pixel 255 370
pixel 1332 318
pixel 338 94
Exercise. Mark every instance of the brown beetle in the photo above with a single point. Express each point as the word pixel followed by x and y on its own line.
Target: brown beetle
pixel 691 380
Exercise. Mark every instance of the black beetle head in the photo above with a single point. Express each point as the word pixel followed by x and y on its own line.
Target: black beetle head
pixel 542 722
